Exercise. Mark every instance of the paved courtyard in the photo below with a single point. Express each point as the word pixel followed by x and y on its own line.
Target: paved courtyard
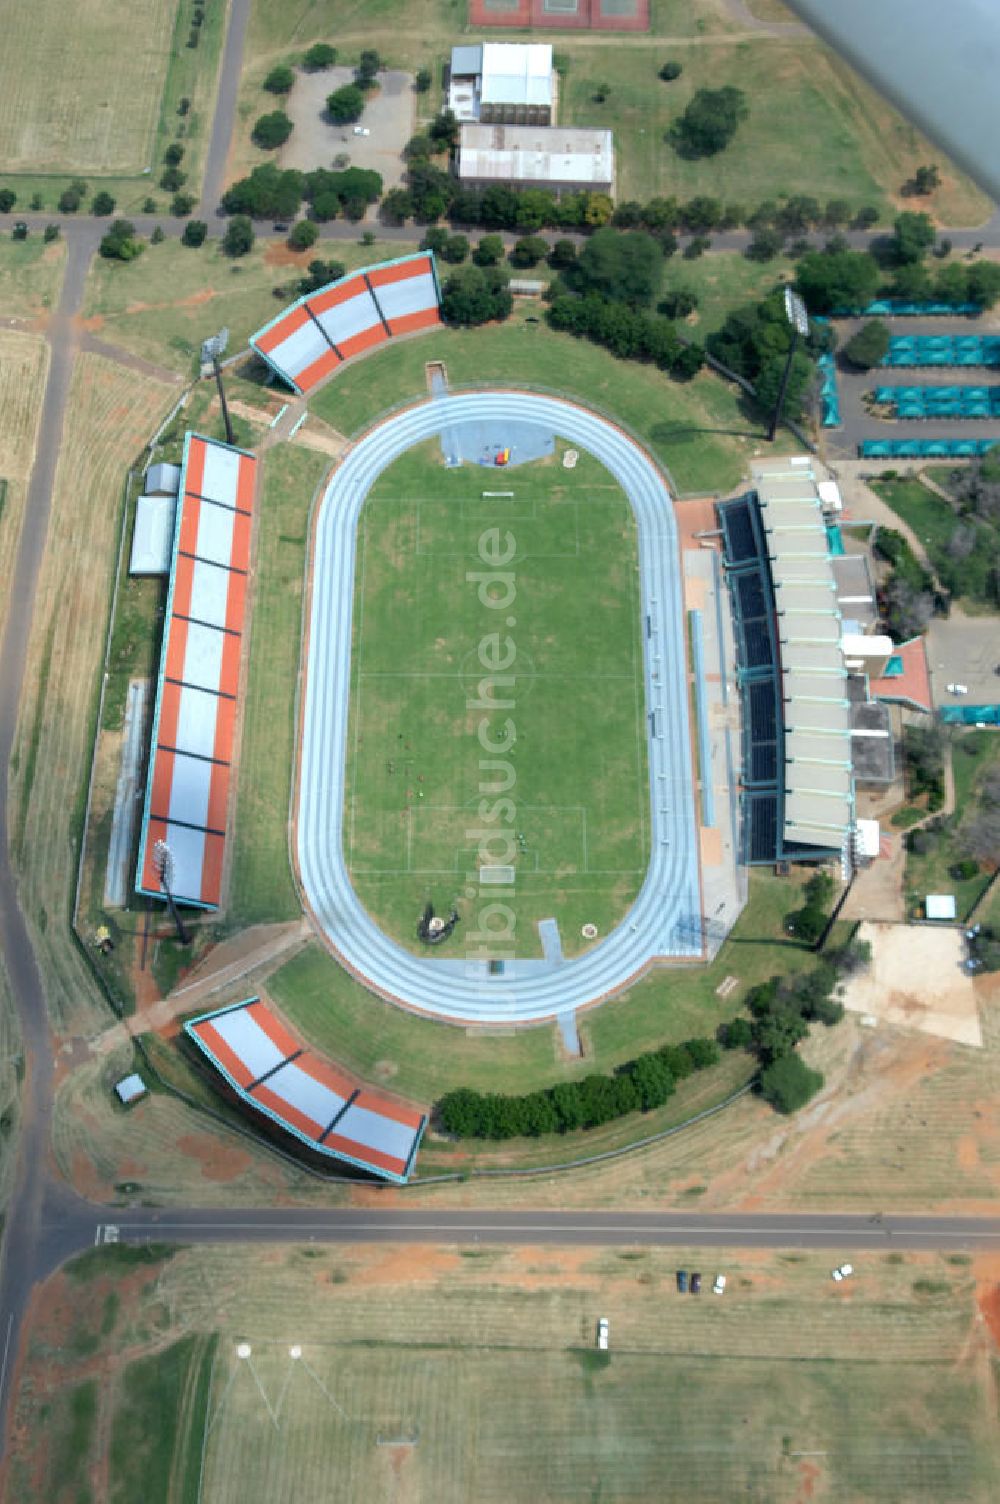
pixel 389 115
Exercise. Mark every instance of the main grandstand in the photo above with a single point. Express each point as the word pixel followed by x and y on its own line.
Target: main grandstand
pixel 796 614
pixel 187 786
pixel 311 338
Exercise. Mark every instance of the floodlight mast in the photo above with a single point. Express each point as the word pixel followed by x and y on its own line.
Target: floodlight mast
pixel 211 350
pixel 163 862
pixel 797 315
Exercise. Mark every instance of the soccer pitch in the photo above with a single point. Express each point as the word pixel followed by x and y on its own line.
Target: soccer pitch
pixel 560 733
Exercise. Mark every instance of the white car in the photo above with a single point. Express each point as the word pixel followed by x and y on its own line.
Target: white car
pixel 719 1288
pixel 603 1334
pixel 958 689
pixel 843 1271
pixel 362 130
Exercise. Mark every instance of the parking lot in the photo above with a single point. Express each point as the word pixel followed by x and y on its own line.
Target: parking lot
pixel 389 117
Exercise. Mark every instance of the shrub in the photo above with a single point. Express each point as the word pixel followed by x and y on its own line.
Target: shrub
pixel 965 869
pixel 194 232
pixel 280 80
pixel 304 235
pixel 670 70
pixel 345 105
pixel 51 232
pixel 271 130
pixel 422 81
pixel 788 1083
pixel 320 55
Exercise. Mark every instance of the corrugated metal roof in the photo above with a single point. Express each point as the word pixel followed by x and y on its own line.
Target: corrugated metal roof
pixel 466 62
pixel 554 154
pixel 153 535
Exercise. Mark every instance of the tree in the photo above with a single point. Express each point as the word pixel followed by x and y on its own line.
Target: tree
pixel 836 213
pixel 839 279
pixel 627 216
pixel 669 71
pixel 157 237
pixel 320 274
pixel 183 105
pixel 345 105
pixel 8 198
pixel 788 1083
pixel 349 191
pixel 102 204
pixel 709 123
pixel 172 178
pixel 174 154
pixel 432 191
pixel 304 235
pixel 869 346
pixel 397 206
pixel 923 182
pixel 181 205
pixel 476 295
pixel 280 80
pixel 528 251
pixel 120 244
pixel 419 148
pixel 239 237
pixel 320 55
pixel 51 232
pixel 455 249
pixel 422 80
pixel 624 266
pixel 983 283
pixel 678 303
pixel 70 200
pixel 702 213
pixel 535 208
pixel 444 130
pixel 368 66
pixel 561 256
pixel 270 192
pixel 195 232
pixel 737 1034
pixel 272 130
pixel 765 245
pixel 913 236
pixel 866 216
pixel 489 251
pixel 597 210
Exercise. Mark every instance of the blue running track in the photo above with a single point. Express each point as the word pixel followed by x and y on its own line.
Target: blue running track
pixel 665 920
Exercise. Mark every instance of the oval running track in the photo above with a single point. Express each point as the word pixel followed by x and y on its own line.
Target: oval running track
pixel 664 922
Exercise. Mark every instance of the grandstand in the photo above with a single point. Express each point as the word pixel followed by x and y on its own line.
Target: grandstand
pixel 324 1108
pixel 312 337
pixel 798 786
pixel 187 788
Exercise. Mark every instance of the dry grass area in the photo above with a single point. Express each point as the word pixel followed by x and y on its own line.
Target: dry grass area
pixel 24 364
pixel 917 978
pixel 110 415
pixel 30 276
pixel 457 1373
pixel 65 105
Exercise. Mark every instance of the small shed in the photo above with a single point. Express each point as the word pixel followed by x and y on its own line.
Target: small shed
pixel 940 906
pixel 163 479
pixel 153 535
pixel 130 1089
pixel 868 839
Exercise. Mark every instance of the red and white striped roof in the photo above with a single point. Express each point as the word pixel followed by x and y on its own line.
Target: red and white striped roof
pixel 316 334
pixel 187 791
pixel 318 1102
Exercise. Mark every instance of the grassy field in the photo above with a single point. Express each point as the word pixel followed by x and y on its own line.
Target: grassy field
pixel 110 415
pixel 24 363
pixel 30 275
pixel 261 887
pixel 440 1374
pixel 65 115
pixel 162 306
pixel 697 430
pixel 415 770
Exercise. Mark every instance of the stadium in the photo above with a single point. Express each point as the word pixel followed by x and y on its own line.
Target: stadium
pixel 743 624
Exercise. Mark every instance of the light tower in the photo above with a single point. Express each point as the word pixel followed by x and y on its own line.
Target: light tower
pixel 164 865
pixel 798 317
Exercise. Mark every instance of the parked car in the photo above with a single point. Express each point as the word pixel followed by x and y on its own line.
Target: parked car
pixel 696 1284
pixel 842 1271
pixel 719 1288
pixel 603 1334
pixel 958 689
pixel 682 1281
pixel 362 130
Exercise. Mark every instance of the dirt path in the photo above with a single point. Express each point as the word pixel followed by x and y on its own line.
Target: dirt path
pixel 131 362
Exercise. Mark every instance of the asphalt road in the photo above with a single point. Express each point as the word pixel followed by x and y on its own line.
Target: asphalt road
pixel 46 1221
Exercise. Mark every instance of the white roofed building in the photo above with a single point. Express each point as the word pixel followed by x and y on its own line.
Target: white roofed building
pixel 562 158
pixel 503 83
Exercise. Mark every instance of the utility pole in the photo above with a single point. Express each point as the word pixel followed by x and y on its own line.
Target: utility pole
pixel 795 312
pixel 222 399
pixel 211 350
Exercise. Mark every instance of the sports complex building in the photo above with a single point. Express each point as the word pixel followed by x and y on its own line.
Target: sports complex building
pixel 766 694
